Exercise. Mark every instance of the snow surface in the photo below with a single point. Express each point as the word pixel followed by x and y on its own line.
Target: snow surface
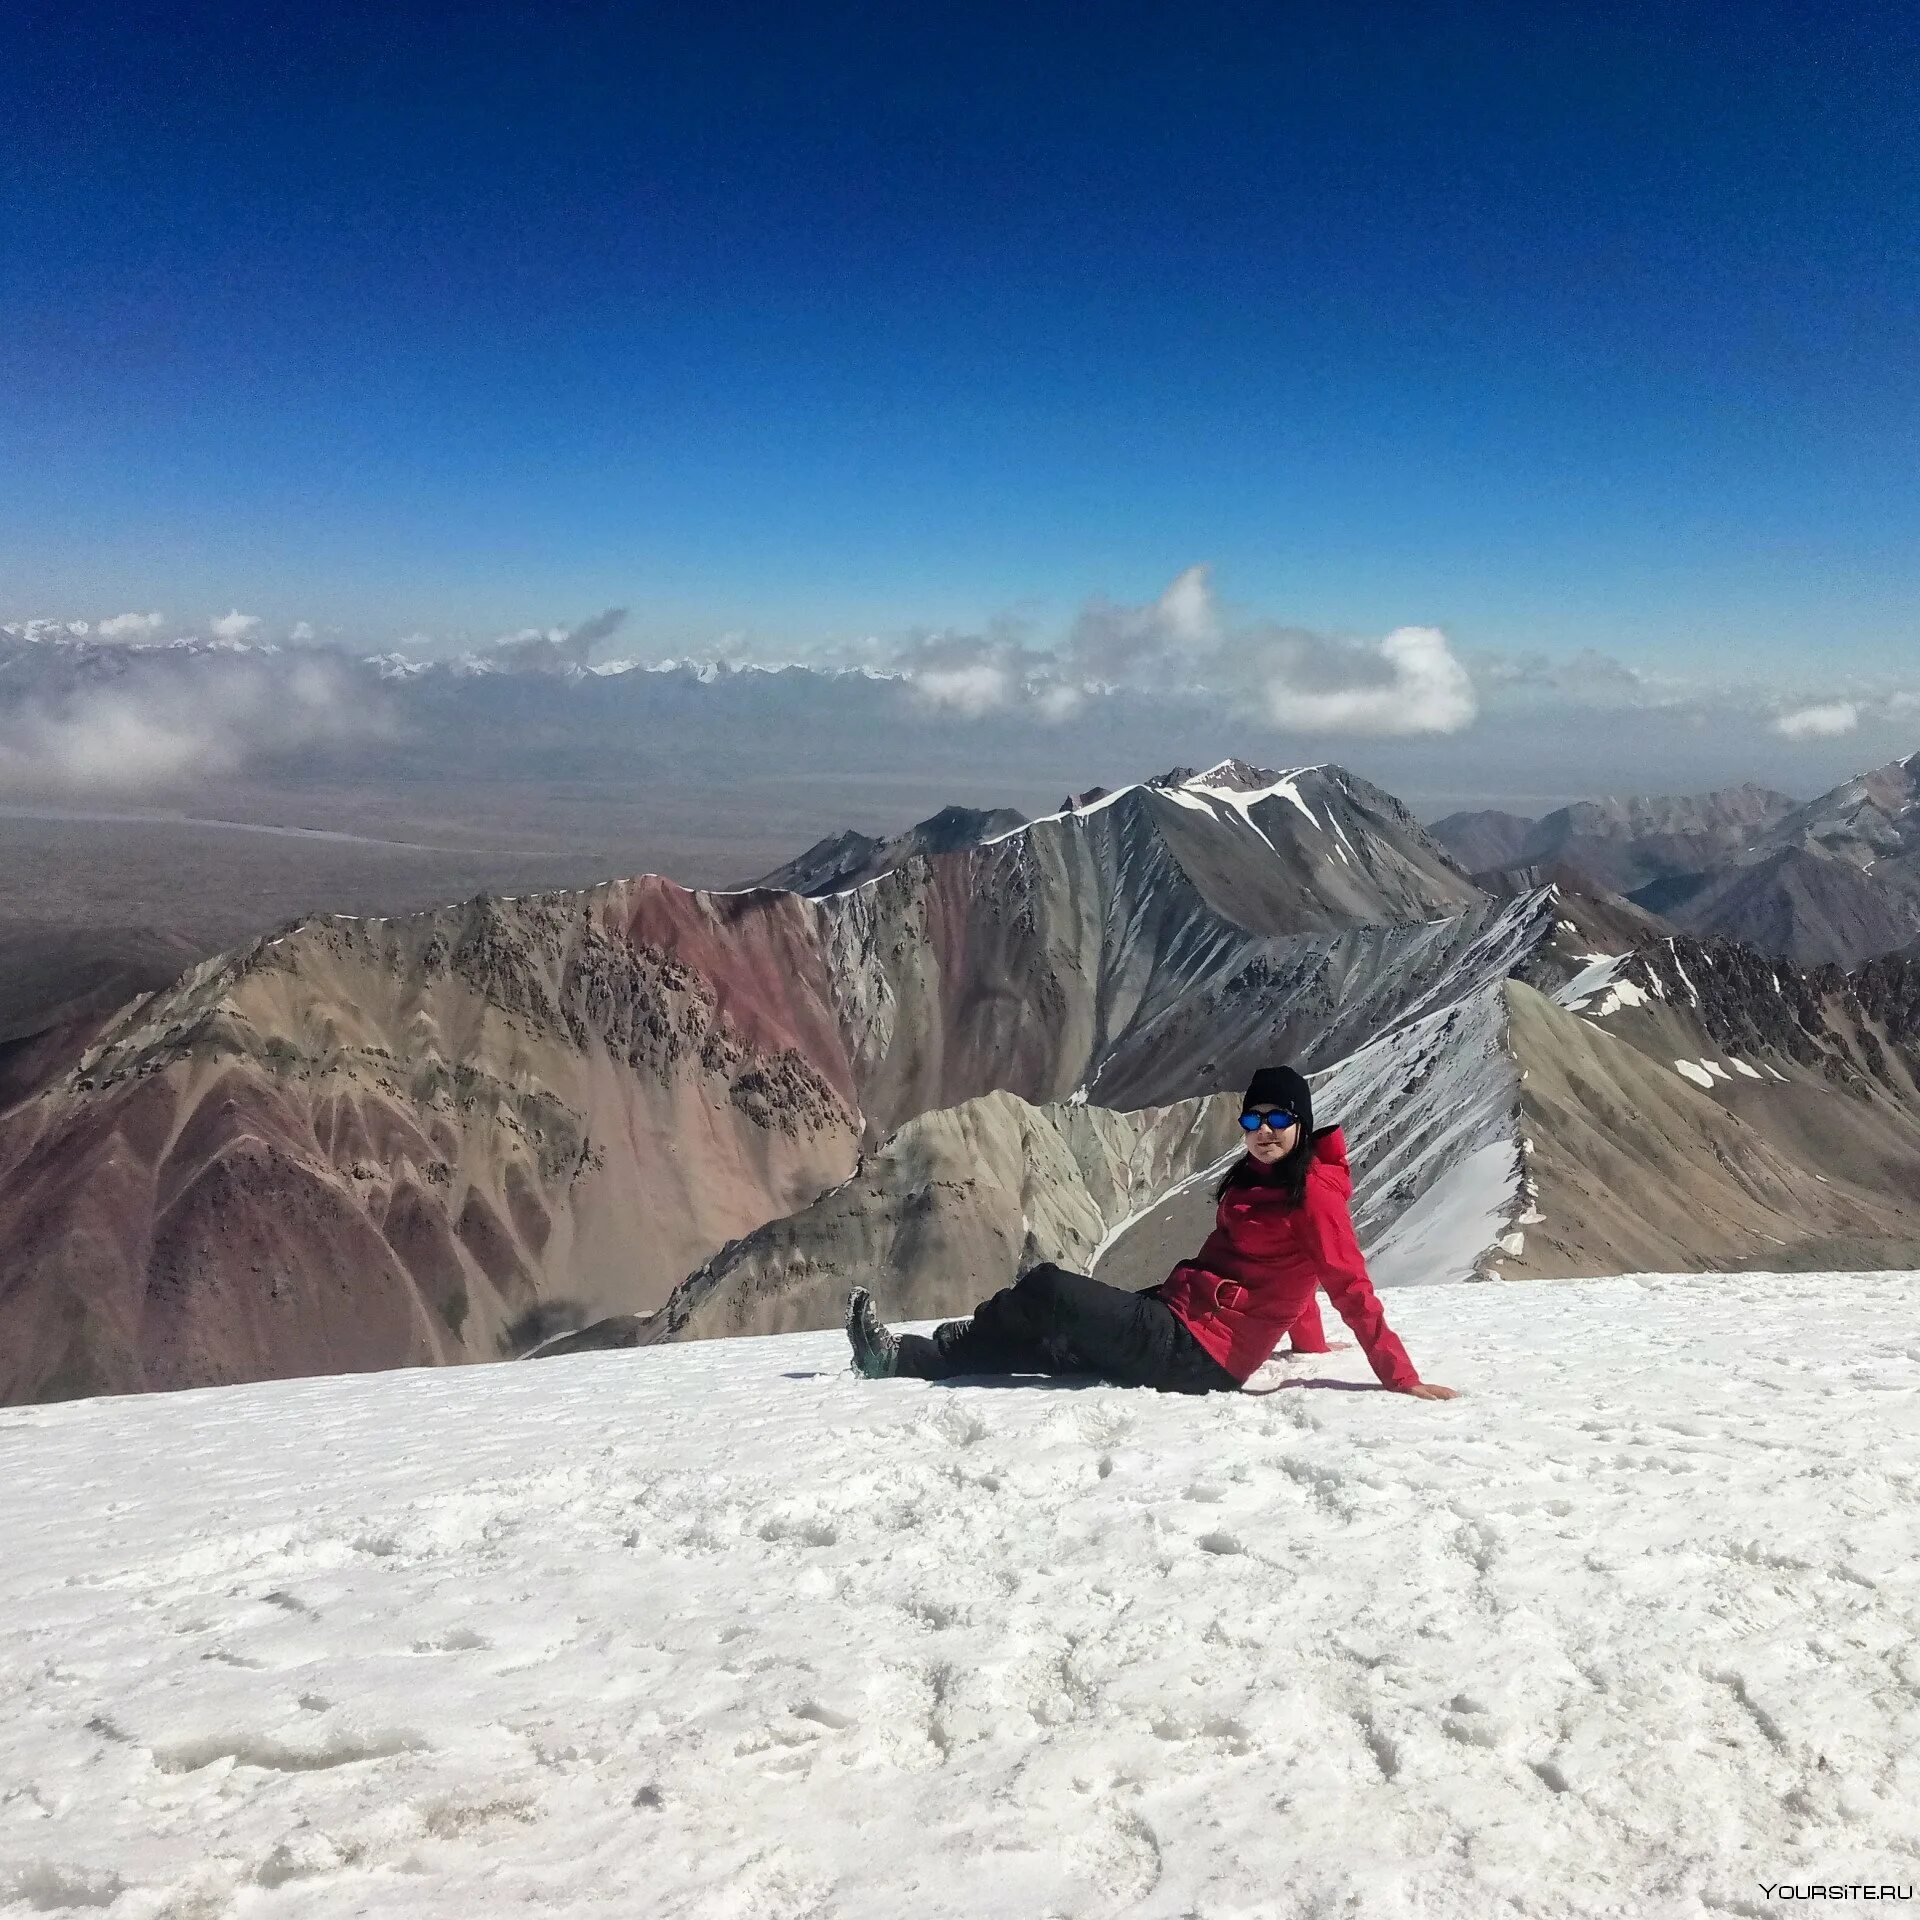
pixel 1066 813
pixel 1446 1231
pixel 1682 972
pixel 1284 786
pixel 1630 1629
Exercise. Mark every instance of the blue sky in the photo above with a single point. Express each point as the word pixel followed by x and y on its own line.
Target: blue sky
pixel 1552 326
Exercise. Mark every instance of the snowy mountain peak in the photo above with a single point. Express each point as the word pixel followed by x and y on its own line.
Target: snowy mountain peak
pixel 1238 775
pixel 396 666
pixel 1311 847
pixel 1874 816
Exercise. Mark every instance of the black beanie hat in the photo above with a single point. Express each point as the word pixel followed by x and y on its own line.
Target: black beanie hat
pixel 1281 1087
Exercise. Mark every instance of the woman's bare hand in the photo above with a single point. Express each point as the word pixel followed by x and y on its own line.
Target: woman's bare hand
pixel 1426 1390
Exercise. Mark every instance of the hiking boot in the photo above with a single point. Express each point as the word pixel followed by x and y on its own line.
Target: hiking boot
pixel 876 1351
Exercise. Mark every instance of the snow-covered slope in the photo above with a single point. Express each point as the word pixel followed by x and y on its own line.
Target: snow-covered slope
pixel 717 1630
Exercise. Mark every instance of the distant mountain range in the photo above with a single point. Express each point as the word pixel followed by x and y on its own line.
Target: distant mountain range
pixel 640 1111
pixel 1833 881
pixel 1836 879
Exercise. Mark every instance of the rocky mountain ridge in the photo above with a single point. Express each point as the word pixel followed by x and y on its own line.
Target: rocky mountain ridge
pixel 1552 1111
pixel 509 1115
pixel 457 1135
pixel 1833 880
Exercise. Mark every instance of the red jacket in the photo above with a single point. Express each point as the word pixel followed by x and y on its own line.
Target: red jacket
pixel 1253 1281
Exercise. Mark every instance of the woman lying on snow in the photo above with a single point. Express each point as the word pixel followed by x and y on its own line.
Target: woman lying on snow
pixel 1283 1225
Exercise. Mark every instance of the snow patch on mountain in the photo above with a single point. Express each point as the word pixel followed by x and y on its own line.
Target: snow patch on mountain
pixel 1600 980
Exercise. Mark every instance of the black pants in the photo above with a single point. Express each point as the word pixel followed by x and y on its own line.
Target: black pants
pixel 1052 1321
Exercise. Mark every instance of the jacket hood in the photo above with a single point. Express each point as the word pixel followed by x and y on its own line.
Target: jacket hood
pixel 1330 1159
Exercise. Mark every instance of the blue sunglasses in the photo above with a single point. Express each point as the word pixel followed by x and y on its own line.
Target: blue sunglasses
pixel 1277 1122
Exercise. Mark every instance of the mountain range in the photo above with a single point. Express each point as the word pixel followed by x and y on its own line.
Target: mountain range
pixel 1834 880
pixel 644 1111
pixel 525 767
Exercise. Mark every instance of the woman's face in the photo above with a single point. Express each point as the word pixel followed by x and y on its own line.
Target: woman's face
pixel 1266 1146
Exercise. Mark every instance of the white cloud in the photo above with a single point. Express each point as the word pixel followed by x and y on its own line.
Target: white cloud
pixel 1822 722
pixel 162 726
pixel 1058 701
pixel 1113 645
pixel 968 674
pixel 553 649
pixel 131 626
pixel 972 690
pixel 1187 608
pixel 301 631
pixel 234 626
pixel 1181 646
pixel 1588 678
pixel 1410 683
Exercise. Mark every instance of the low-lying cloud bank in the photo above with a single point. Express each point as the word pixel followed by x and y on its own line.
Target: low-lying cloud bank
pixel 1411 697
pixel 133 704
pixel 173 725
pixel 1823 722
pixel 131 626
pixel 1184 643
pixel 553 649
pixel 232 629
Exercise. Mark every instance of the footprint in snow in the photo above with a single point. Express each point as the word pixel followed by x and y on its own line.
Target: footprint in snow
pixel 1118 1855
pixel 957 1425
pixel 52 1886
pixel 272 1755
pixel 823 1716
pixel 459 1640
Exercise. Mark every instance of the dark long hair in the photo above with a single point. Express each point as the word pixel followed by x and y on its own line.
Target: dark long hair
pixel 1289 1175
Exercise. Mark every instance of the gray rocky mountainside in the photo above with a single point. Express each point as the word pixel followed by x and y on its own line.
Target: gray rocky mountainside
pixel 1807 907
pixel 59 986
pixel 446 1135
pixel 1487 840
pixel 1676 1106
pixel 1835 880
pixel 1621 843
pixel 661 1112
